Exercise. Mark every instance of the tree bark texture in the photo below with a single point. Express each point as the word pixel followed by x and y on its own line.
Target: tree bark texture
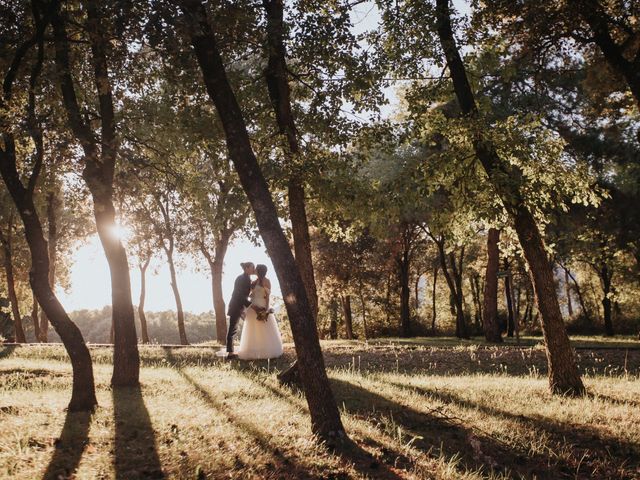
pixel 52 236
pixel 564 377
pixel 83 388
pixel 280 95
pixel 325 417
pixel 99 166
pixel 491 327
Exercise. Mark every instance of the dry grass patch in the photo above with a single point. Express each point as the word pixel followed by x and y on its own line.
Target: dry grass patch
pixel 196 417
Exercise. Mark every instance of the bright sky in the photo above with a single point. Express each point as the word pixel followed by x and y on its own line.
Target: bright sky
pixel 91 288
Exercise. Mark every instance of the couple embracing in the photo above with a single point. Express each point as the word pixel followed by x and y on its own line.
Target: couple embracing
pixel 260 334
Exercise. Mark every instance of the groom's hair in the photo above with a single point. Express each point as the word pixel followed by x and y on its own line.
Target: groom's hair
pixel 245 265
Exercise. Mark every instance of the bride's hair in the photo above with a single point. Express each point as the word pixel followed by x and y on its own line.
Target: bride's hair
pixel 261 271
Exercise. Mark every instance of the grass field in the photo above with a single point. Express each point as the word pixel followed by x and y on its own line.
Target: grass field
pixel 415 410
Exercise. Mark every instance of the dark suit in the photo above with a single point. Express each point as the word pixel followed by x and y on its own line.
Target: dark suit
pixel 239 301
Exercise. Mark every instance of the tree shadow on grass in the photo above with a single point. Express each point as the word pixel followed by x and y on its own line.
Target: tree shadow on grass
pixel 281 463
pixel 136 455
pixel 7 351
pixel 363 461
pixel 69 447
pixel 433 431
pixel 593 455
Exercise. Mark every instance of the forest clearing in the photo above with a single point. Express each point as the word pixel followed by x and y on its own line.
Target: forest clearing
pixel 415 411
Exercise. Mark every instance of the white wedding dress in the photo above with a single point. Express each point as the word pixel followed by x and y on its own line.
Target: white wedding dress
pixel 260 339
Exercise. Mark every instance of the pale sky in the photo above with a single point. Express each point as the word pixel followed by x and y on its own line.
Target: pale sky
pixel 91 288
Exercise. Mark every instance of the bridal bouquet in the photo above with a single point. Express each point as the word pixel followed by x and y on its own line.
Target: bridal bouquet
pixel 263 315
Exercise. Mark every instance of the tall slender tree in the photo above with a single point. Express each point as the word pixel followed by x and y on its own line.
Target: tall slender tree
pixel 100 157
pixel 564 377
pixel 325 417
pixel 277 78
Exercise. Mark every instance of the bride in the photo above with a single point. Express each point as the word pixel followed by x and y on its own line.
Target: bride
pixel 260 334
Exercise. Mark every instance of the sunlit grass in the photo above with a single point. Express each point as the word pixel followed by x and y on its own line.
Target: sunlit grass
pixel 196 417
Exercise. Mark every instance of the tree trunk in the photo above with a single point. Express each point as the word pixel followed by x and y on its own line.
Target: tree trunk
pixel 98 173
pixel 490 318
pixel 585 310
pixel 605 277
pixel 416 292
pixel 405 294
pixel 567 291
pixel 461 326
pixel 7 246
pixel 52 236
pixel 462 330
pixel 216 265
pixel 280 95
pixel 83 390
pixel 325 417
pixel 509 299
pixel 433 300
pixel 333 319
pixel 364 314
pixel 302 242
pixel 345 300
pixel 564 377
pixel 143 292
pixel 176 294
pixel 34 317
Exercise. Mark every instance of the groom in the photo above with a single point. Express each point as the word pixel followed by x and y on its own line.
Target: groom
pixel 239 301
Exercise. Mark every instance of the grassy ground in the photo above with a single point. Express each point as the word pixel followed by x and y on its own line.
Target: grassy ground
pixel 414 411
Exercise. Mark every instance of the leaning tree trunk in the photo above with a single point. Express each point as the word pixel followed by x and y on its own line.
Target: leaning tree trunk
pixel 345 300
pixel 176 294
pixel 83 390
pixel 11 284
pixel 52 236
pixel 563 371
pixel 280 95
pixel 99 167
pixel 143 293
pixel 325 417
